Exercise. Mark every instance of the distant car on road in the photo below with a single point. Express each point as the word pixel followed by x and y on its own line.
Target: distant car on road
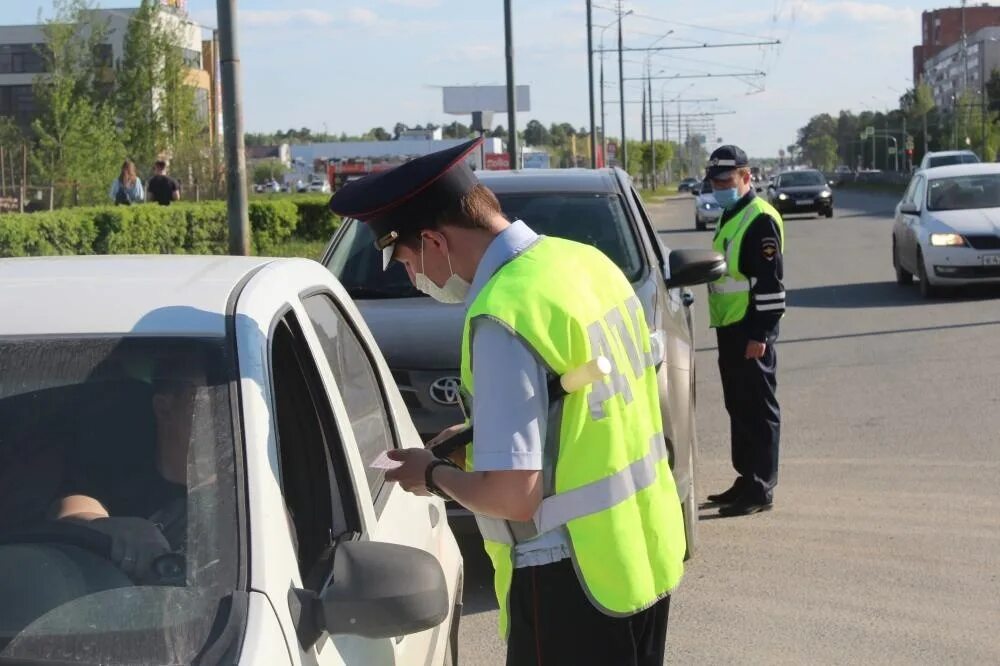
pixel 421 337
pixel 706 209
pixel 686 184
pixel 947 228
pixel 802 191
pixel 319 184
pixel 947 158
pixel 227 409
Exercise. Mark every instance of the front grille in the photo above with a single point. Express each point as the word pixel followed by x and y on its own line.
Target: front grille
pixel 984 242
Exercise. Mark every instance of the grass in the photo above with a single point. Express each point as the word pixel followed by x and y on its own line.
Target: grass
pixel 300 248
pixel 653 196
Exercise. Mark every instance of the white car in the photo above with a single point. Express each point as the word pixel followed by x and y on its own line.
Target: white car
pixel 706 209
pixel 230 407
pixel 947 228
pixel 948 158
pixel 319 184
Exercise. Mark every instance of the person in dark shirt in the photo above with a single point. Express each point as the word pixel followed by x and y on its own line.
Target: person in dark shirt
pixel 145 516
pixel 161 188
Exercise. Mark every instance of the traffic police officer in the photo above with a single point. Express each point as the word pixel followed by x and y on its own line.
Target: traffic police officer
pixel 745 306
pixel 574 495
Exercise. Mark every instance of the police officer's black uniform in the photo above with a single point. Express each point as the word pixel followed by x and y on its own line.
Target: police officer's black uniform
pixel 749 385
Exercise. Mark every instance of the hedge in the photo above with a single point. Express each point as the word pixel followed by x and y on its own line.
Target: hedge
pixel 183 228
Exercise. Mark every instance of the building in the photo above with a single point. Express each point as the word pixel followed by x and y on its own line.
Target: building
pixel 942 28
pixel 955 69
pixel 21 63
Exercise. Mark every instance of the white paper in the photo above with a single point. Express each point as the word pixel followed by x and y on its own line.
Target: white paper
pixel 383 461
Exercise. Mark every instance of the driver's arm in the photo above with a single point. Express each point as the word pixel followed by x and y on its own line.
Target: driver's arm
pixel 79 507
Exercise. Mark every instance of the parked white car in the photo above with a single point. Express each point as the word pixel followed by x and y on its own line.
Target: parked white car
pixel 706 209
pixel 227 408
pixel 948 158
pixel 319 184
pixel 947 228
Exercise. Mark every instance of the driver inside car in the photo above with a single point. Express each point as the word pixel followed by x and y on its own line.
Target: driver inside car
pixel 140 535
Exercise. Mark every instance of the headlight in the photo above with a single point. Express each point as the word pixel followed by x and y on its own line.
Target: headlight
pixel 782 196
pixel 707 206
pixel 825 194
pixel 942 240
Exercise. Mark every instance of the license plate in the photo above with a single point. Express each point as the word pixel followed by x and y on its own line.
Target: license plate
pixel 991 260
pixel 804 202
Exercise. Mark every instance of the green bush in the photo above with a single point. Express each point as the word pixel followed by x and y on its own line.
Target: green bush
pixel 316 220
pixel 183 228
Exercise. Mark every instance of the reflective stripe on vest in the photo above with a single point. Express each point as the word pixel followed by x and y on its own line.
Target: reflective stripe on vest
pixel 729 296
pixel 607 484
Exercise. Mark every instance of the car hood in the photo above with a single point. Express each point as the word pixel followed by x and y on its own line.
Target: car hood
pixel 707 199
pixel 421 334
pixel 973 221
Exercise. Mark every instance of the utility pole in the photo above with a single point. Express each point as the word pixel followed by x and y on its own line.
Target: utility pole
pixel 621 89
pixel 511 90
pixel 590 84
pixel 645 178
pixel 232 120
pixel 652 134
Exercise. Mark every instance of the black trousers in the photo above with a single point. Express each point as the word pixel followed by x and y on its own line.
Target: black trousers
pixel 748 387
pixel 553 623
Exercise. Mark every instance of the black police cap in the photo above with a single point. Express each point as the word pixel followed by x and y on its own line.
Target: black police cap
pixel 724 159
pixel 409 196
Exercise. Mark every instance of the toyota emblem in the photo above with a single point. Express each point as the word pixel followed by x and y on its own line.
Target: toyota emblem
pixel 444 390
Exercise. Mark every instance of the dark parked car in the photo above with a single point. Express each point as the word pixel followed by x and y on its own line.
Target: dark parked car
pixel 686 184
pixel 420 337
pixel 803 191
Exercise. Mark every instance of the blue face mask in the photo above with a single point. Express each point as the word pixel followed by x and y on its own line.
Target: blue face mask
pixel 726 198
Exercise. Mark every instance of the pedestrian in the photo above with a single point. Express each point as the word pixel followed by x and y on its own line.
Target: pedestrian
pixel 162 188
pixel 573 495
pixel 745 306
pixel 127 187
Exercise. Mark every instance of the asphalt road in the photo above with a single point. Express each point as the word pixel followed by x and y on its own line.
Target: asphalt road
pixel 884 544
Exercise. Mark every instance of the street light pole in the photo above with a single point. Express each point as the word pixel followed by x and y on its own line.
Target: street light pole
pixel 590 84
pixel 621 89
pixel 232 121
pixel 511 89
pixel 652 135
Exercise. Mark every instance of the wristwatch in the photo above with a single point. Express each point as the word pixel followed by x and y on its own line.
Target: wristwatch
pixel 429 477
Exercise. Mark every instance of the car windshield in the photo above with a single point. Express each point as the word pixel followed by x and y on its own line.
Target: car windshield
pixel 964 192
pixel 801 179
pixel 945 160
pixel 595 219
pixel 141 428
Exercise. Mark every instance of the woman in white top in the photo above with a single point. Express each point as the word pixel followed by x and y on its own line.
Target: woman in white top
pixel 127 188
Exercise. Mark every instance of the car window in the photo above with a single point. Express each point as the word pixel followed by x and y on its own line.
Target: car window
pixel 908 195
pixel 801 179
pixel 357 380
pixel 314 479
pixel 596 219
pixel 964 192
pixel 143 426
pixel 647 226
pixel 918 193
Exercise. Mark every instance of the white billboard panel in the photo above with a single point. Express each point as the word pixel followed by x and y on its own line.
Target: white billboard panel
pixel 462 100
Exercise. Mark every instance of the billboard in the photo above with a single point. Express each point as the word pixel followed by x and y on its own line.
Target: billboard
pixel 497 161
pixel 462 100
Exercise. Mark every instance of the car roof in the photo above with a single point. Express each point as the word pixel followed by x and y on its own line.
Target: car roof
pixel 787 171
pixel 953 170
pixel 149 295
pixel 947 153
pixel 550 180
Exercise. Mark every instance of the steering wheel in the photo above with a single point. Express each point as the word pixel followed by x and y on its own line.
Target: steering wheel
pixel 168 569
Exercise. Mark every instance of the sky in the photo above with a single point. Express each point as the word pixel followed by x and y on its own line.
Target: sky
pixel 351 65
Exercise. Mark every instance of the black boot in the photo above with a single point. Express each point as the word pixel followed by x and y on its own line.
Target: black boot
pixel 729 496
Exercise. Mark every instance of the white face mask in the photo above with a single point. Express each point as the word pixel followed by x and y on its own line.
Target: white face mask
pixel 454 290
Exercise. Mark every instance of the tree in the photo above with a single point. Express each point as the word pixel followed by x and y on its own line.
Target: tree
pixel 456 130
pixel 268 170
pixel 499 133
pixel 138 76
pixel 821 152
pixel 379 134
pixel 923 104
pixel 398 130
pixel 78 146
pixel 535 134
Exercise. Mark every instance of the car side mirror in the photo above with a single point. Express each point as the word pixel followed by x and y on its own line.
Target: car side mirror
pixel 909 208
pixel 690 267
pixel 378 590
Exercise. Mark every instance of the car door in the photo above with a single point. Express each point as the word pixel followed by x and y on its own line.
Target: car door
pixel 911 225
pixel 359 375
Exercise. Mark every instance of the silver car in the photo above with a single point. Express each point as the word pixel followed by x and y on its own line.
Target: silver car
pixel 706 209
pixel 947 228
pixel 420 338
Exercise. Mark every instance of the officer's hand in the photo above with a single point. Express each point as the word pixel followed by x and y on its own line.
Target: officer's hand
pixel 411 474
pixel 135 543
pixel 755 349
